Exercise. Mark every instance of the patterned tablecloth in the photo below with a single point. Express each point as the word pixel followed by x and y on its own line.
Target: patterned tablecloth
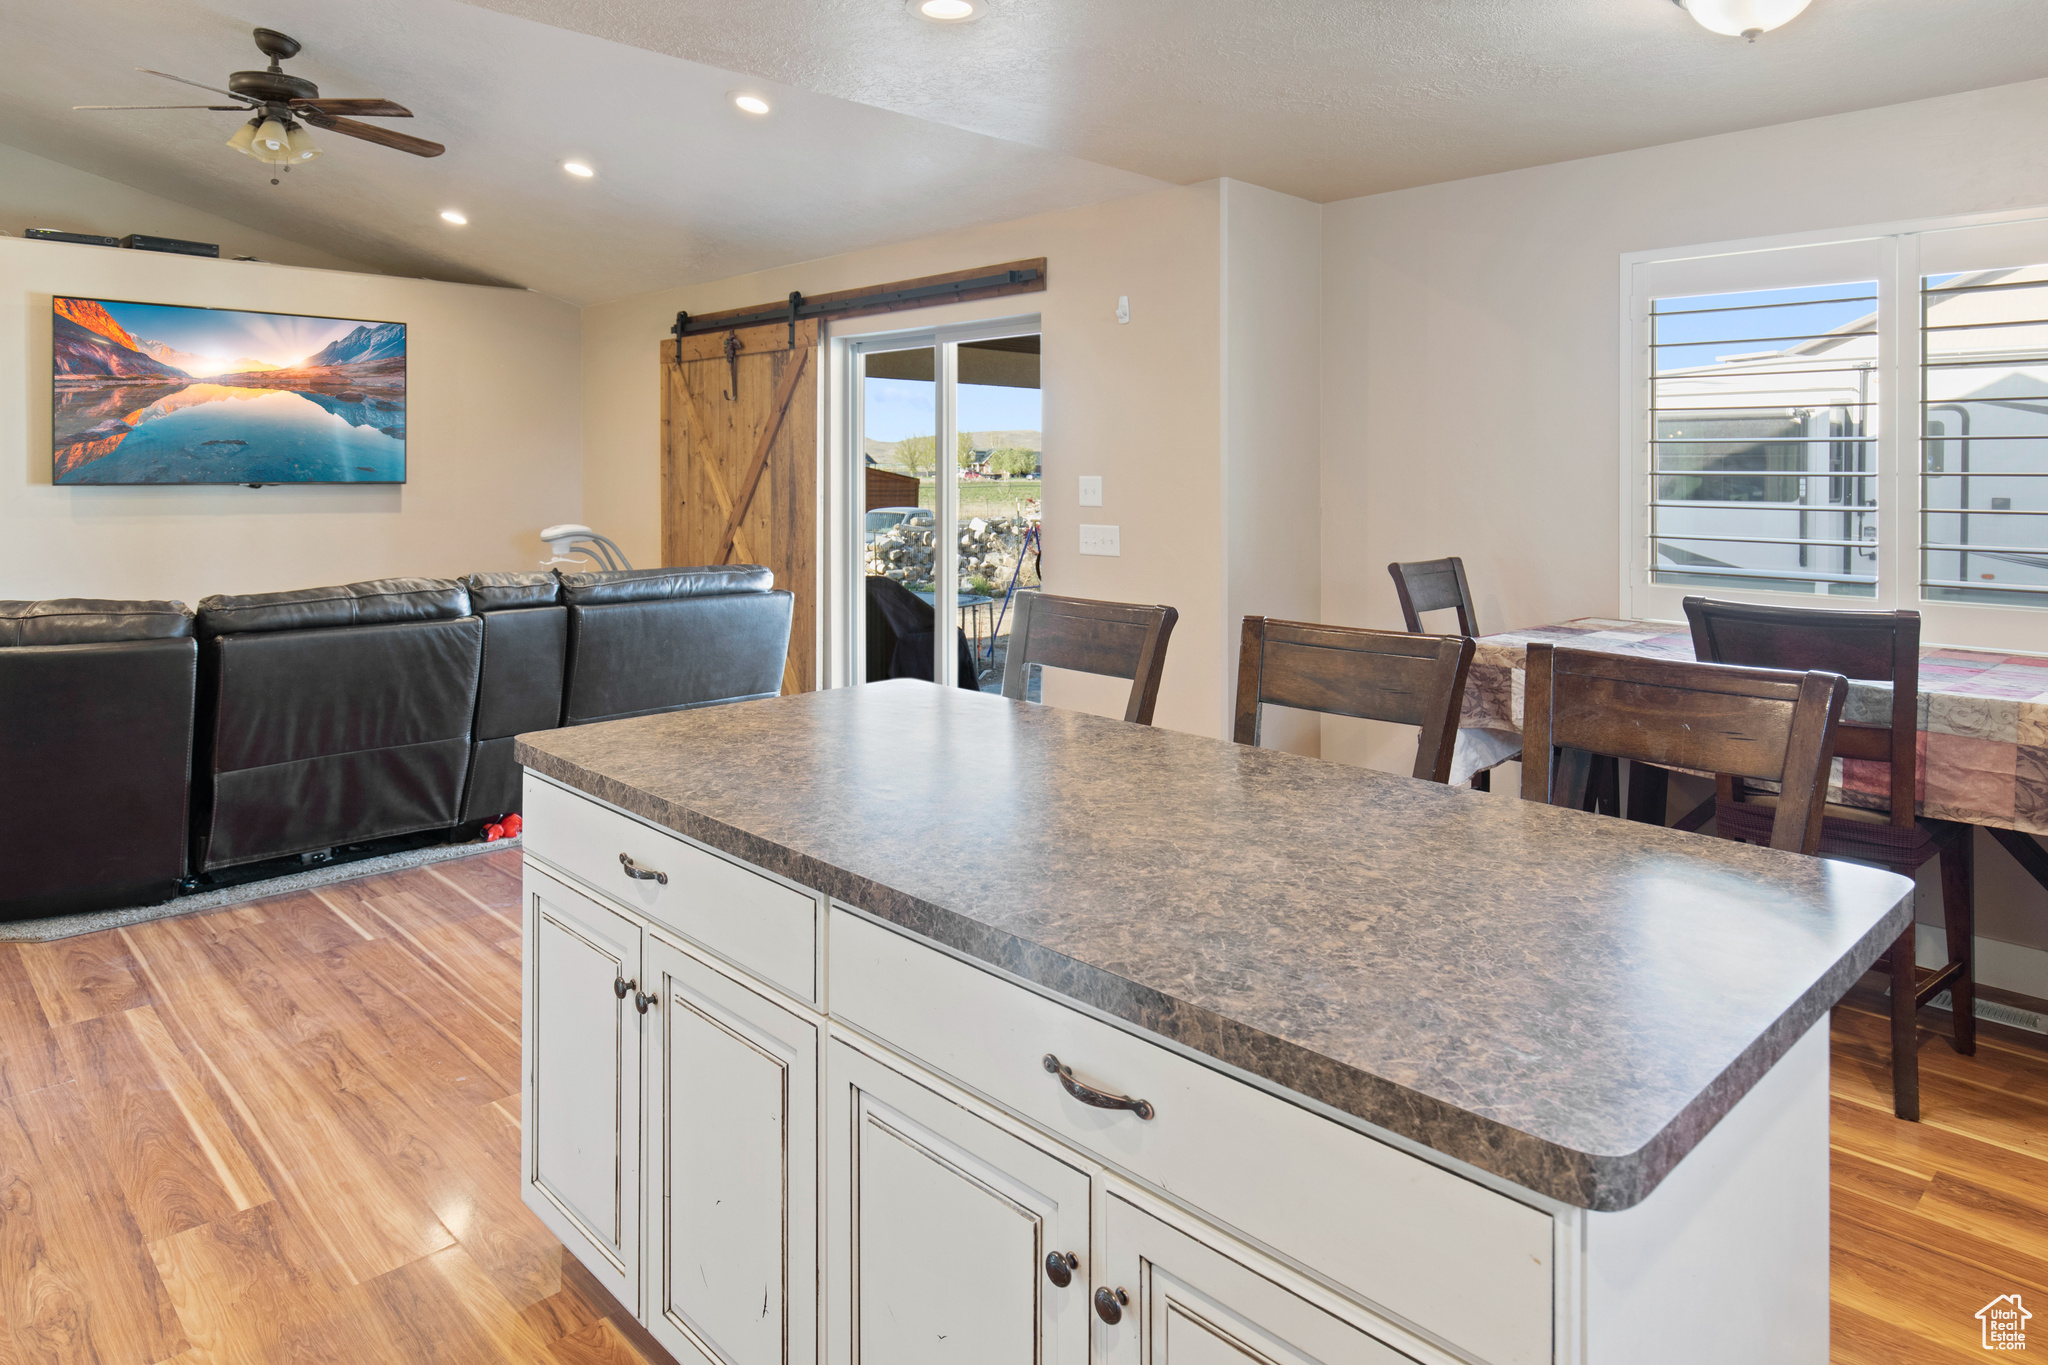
pixel 1983 721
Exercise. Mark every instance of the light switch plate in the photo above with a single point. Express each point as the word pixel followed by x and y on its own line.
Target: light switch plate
pixel 1091 490
pixel 1101 540
pixel 1123 307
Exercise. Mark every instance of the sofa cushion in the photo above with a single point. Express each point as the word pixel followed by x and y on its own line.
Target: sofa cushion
pixel 381 601
pixel 91 621
pixel 657 585
pixel 512 591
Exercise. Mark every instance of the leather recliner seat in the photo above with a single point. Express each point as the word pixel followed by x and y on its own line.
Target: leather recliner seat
pixel 95 747
pixel 643 641
pixel 526 654
pixel 331 716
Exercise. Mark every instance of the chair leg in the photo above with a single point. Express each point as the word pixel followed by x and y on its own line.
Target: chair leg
pixel 1905 1030
pixel 1959 915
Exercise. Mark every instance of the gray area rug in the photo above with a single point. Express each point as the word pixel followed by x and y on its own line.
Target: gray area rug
pixel 93 921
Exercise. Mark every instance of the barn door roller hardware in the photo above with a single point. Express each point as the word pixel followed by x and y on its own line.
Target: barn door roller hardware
pixel 886 298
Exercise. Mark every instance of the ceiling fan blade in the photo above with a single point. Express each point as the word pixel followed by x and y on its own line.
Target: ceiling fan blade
pixel 360 108
pixel 182 81
pixel 224 108
pixel 370 132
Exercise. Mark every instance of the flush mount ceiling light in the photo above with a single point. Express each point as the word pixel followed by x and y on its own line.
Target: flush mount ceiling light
pixel 1738 18
pixel 947 11
pixel 578 169
pixel 747 102
pixel 451 216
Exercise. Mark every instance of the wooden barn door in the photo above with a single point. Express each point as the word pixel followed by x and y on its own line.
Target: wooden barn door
pixel 739 469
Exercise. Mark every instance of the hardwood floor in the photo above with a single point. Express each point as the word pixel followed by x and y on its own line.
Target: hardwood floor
pixel 289 1132
pixel 286 1132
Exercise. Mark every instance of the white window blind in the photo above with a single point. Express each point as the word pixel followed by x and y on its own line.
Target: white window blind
pixel 1763 426
pixel 1984 436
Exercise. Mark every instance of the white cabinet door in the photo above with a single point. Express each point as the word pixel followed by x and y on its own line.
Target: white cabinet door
pixel 732 1188
pixel 580 1106
pixel 942 1229
pixel 1180 1301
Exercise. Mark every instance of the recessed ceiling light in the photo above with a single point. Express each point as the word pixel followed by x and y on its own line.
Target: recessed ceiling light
pixel 451 216
pixel 947 11
pixel 578 168
pixel 749 104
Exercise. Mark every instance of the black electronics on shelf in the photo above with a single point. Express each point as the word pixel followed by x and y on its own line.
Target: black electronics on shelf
pixel 81 238
pixel 136 241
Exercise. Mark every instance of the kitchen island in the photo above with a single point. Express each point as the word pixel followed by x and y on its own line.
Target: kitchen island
pixel 900 1024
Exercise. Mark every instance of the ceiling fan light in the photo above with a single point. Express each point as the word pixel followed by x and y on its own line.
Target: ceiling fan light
pixel 244 140
pixel 271 137
pixel 1742 18
pixel 299 145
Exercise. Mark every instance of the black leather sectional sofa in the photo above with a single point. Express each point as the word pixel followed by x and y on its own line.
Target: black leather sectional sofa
pixel 145 745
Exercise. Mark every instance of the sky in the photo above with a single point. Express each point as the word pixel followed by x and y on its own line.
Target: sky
pixel 274 338
pixel 1758 320
pixel 897 408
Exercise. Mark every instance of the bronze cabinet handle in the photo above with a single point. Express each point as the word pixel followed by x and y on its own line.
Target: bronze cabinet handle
pixel 1109 1304
pixel 639 873
pixel 620 986
pixel 1091 1096
pixel 1060 1267
pixel 641 1001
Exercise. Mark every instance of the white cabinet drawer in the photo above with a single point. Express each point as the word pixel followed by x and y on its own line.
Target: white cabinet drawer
pixel 752 921
pixel 1445 1253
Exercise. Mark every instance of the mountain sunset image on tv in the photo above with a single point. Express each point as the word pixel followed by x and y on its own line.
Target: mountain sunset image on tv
pixel 148 393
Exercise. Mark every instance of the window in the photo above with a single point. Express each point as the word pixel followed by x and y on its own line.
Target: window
pixel 1984 448
pixel 1860 417
pixel 1763 414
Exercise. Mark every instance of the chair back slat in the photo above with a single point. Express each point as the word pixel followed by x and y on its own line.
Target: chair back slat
pixel 1766 724
pixel 1113 639
pixel 1374 674
pixel 1873 646
pixel 1434 585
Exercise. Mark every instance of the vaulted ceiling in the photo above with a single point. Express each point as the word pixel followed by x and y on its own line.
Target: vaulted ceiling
pixel 886 127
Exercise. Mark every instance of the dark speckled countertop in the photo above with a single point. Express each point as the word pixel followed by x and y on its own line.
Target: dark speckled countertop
pixel 1569 1001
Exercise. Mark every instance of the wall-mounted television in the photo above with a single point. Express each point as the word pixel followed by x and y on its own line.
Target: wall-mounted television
pixel 157 393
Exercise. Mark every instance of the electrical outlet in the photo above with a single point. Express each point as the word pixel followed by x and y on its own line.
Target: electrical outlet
pixel 1091 490
pixel 1101 540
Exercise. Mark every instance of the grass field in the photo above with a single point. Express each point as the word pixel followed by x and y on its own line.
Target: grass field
pixel 985 497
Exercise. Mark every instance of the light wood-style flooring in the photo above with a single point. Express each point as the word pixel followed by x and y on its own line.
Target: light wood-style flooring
pixel 289 1132
pixel 286 1132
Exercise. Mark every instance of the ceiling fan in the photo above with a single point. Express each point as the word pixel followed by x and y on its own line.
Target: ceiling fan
pixel 281 105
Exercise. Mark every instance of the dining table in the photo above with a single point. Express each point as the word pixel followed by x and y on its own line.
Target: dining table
pixel 1983 725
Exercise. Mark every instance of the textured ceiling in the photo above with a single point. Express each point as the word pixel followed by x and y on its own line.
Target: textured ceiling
pixel 887 128
pixel 688 189
pixel 1327 99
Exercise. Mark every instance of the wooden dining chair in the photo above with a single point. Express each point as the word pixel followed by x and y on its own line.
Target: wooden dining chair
pixel 1434 585
pixel 1340 671
pixel 1110 638
pixel 1874 646
pixel 1767 724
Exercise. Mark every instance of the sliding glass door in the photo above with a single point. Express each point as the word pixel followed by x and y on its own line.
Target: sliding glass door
pixel 946 436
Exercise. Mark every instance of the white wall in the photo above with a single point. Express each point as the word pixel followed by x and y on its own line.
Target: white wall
pixel 1471 347
pixel 493 446
pixel 1272 390
pixel 1136 403
pixel 39 193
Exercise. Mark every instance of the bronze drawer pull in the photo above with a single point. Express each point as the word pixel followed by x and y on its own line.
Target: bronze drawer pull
pixel 1109 1304
pixel 641 1000
pixel 1060 1267
pixel 1095 1098
pixel 639 873
pixel 620 986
